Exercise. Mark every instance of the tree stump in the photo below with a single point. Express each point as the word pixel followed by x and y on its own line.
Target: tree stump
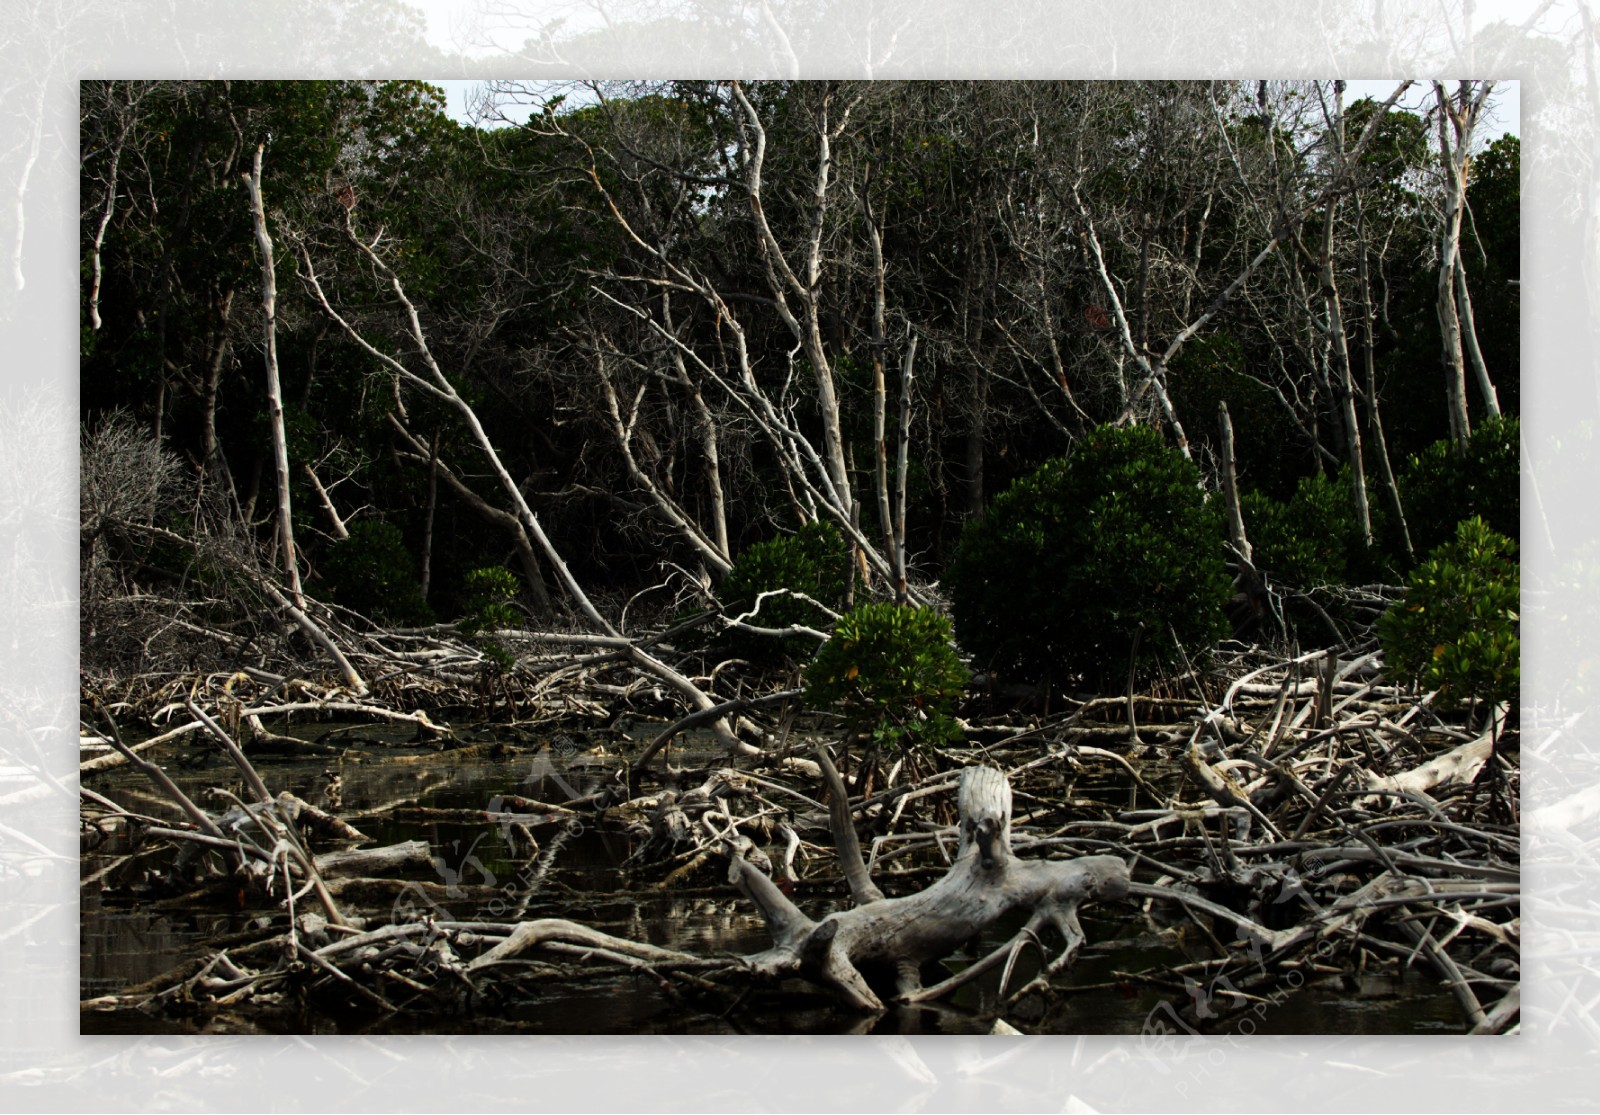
pixel 984 883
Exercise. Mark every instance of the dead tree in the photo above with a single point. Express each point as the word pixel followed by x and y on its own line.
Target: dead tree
pixel 985 882
pixel 280 450
pixel 1457 118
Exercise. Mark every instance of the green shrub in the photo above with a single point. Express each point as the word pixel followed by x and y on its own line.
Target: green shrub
pixel 1075 561
pixel 1441 487
pixel 491 593
pixel 1307 541
pixel 811 561
pixel 1457 627
pixel 894 672
pixel 373 573
pixel 491 596
pixel 1314 539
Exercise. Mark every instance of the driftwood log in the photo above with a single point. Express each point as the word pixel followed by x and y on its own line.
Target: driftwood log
pixel 985 882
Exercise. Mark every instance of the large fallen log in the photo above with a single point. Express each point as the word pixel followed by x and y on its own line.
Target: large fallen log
pixel 984 883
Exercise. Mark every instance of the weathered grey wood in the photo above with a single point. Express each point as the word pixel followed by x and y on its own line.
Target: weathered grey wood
pixel 1460 764
pixel 374 861
pixel 862 888
pixel 984 883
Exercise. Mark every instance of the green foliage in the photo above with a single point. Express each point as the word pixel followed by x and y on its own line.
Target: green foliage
pixel 1457 628
pixel 811 561
pixel 1441 485
pixel 373 573
pixel 1075 560
pixel 894 672
pixel 491 592
pixel 1308 541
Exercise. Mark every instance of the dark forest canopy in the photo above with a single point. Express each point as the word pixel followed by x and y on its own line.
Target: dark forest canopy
pixel 692 316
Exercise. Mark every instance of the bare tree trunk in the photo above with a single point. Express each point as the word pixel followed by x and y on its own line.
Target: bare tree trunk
pixel 985 881
pixel 340 531
pixel 124 124
pixel 425 574
pixel 1230 490
pixel 667 509
pixel 880 390
pixel 210 450
pixel 1469 340
pixel 1342 378
pixel 1391 486
pixel 280 447
pixel 532 568
pixel 817 479
pixel 902 464
pixel 1453 152
pixel 711 458
pixel 783 281
pixel 438 385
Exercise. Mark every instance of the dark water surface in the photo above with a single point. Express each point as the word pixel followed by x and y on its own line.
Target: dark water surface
pixel 129 936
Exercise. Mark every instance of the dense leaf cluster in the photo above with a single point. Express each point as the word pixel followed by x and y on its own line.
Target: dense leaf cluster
pixel 1108 555
pixel 893 672
pixel 1457 628
pixel 374 573
pixel 1445 484
pixel 804 575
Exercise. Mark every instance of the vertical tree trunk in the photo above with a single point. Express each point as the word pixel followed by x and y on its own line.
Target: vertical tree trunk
pixel 124 124
pixel 783 281
pixel 1340 373
pixel 1391 487
pixel 706 424
pixel 827 396
pixel 425 574
pixel 210 449
pixel 280 447
pixel 880 391
pixel 1452 160
pixel 901 464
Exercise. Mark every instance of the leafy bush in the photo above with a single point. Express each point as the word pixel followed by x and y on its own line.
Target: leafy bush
pixel 811 561
pixel 1314 539
pixel 1074 561
pixel 894 671
pixel 373 573
pixel 1306 541
pixel 491 592
pixel 1457 628
pixel 1441 486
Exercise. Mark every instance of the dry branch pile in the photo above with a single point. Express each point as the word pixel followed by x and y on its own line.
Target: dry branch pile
pixel 1305 816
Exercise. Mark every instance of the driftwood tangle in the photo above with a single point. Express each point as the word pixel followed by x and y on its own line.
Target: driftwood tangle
pixel 1315 823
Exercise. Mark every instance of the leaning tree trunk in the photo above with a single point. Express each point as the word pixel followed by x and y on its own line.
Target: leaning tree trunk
pixel 985 883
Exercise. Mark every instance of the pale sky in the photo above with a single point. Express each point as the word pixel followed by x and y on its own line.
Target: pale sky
pixel 1504 113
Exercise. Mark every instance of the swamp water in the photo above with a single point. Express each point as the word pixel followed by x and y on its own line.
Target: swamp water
pixel 130 934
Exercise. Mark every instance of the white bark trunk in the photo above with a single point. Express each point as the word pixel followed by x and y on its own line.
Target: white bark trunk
pixel 280 448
